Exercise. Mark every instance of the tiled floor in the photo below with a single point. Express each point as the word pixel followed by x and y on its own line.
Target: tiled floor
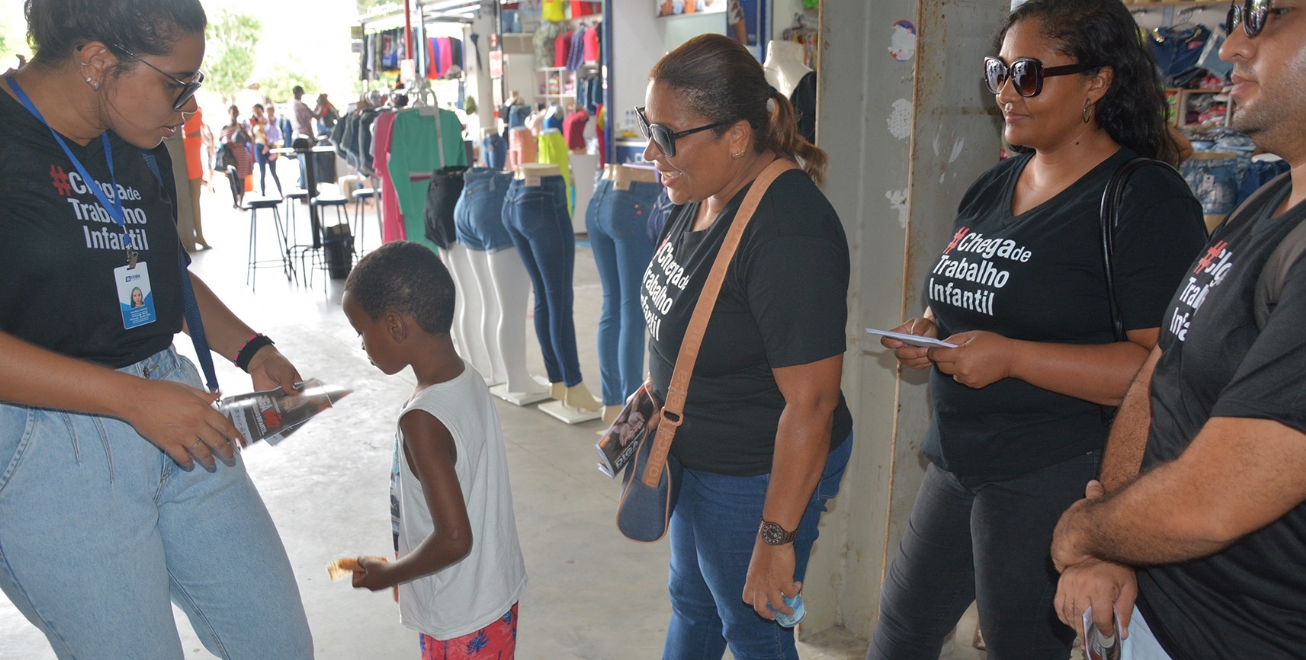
pixel 592 594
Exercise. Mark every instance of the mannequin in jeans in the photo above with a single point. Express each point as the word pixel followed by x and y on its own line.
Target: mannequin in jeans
pixel 540 227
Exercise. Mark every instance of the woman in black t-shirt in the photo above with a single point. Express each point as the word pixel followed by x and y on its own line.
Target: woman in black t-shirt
pixel 766 433
pixel 1021 406
pixel 120 485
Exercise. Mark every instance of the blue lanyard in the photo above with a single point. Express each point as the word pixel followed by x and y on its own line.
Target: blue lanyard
pixel 114 207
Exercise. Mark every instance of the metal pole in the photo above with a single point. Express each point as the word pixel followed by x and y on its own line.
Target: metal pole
pixel 408 28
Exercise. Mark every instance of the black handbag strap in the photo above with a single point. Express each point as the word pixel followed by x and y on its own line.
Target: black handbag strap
pixel 1109 218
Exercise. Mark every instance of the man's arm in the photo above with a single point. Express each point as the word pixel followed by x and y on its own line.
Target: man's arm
pixel 1128 440
pixel 1238 475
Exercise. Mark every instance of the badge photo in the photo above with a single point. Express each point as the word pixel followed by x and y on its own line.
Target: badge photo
pixel 134 296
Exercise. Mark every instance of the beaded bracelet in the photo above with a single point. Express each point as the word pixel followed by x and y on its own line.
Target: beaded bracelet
pixel 246 352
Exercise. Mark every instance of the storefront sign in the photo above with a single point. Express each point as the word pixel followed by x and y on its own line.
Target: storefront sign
pixel 496 64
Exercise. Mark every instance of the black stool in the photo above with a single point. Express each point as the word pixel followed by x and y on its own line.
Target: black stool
pixel 360 198
pixel 314 256
pixel 252 262
pixel 292 196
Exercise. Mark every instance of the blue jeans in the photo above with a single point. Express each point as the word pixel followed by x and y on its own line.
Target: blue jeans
pixel 496 152
pixel 538 223
pixel 713 530
pixel 616 221
pixel 264 164
pixel 979 539
pixel 478 217
pixel 99 528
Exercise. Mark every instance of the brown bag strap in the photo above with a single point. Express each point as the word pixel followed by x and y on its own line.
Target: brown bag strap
pixel 673 409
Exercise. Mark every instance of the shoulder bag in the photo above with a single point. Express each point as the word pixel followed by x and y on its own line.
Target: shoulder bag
pixel 652 480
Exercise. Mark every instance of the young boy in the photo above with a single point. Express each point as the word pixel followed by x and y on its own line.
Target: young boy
pixel 460 570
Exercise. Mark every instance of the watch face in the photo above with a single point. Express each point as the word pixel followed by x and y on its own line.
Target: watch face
pixel 773 534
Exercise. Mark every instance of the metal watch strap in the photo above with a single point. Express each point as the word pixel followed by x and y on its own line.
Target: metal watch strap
pixel 774 534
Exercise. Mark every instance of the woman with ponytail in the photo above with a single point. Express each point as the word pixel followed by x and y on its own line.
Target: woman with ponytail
pixel 766 433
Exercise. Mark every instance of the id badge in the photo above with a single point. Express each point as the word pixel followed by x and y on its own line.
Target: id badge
pixel 134 296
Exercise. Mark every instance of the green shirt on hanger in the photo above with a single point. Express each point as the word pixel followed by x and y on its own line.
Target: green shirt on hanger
pixel 414 148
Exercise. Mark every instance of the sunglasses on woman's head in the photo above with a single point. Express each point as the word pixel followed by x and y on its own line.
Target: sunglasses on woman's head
pixel 664 137
pixel 1250 14
pixel 1026 74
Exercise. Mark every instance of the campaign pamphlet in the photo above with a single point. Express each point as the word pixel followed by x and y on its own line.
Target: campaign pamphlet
pixel 621 441
pixel 1099 646
pixel 272 415
pixel 912 340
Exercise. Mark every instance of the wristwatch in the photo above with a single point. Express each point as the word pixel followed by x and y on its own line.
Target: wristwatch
pixel 773 534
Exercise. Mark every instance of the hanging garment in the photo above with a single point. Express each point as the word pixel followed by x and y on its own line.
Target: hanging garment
pixel 561 50
pixel 576 50
pixel 544 41
pixel 573 129
pixel 392 221
pixel 554 11
pixel 803 99
pixel 1177 51
pixel 592 40
pixel 416 148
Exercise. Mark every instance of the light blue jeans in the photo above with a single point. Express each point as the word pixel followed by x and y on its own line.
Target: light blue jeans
pixel 99 529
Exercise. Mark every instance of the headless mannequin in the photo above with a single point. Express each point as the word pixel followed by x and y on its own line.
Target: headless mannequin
pixel 468 315
pixel 784 65
pixel 624 174
pixel 578 397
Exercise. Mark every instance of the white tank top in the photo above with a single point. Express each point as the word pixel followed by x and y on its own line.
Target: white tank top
pixel 472 593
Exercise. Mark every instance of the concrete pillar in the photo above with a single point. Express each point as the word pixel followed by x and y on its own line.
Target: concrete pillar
pixel 907 133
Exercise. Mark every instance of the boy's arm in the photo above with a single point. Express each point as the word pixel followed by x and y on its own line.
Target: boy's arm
pixel 431 452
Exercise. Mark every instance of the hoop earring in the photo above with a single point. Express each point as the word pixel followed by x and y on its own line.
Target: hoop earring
pixel 1088 107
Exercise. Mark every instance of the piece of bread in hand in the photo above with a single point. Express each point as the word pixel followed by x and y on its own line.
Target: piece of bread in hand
pixel 347 566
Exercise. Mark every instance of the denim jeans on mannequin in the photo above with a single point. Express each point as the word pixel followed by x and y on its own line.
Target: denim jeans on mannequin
pixel 496 152
pixel 101 528
pixel 540 227
pixel 617 220
pixel 713 531
pixel 478 216
pixel 986 540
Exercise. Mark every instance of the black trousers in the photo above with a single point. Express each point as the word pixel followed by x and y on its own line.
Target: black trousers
pixel 971 539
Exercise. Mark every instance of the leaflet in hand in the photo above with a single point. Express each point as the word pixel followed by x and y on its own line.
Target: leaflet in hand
pixel 622 439
pixel 912 340
pixel 273 415
pixel 1098 646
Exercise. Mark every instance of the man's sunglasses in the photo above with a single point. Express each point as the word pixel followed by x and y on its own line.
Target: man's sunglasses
pixel 1026 74
pixel 1250 14
pixel 188 89
pixel 666 138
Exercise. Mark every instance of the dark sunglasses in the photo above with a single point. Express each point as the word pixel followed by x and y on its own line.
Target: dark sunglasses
pixel 1250 14
pixel 666 138
pixel 188 89
pixel 1026 74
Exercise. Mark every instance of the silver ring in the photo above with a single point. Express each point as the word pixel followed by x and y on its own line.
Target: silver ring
pixel 198 442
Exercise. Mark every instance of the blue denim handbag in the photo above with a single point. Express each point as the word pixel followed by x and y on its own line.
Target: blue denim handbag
pixel 652 481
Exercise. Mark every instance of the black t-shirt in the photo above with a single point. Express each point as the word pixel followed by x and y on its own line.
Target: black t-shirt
pixel 1039 277
pixel 60 248
pixel 783 303
pixel 1248 601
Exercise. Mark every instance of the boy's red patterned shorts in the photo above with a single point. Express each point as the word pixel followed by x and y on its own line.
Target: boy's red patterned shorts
pixel 497 641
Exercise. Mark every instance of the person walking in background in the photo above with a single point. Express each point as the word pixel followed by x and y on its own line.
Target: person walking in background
pixel 124 488
pixel 460 570
pixel 302 133
pixel 1022 405
pixel 1202 485
pixel 235 139
pixel 261 126
pixel 193 141
pixel 325 114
